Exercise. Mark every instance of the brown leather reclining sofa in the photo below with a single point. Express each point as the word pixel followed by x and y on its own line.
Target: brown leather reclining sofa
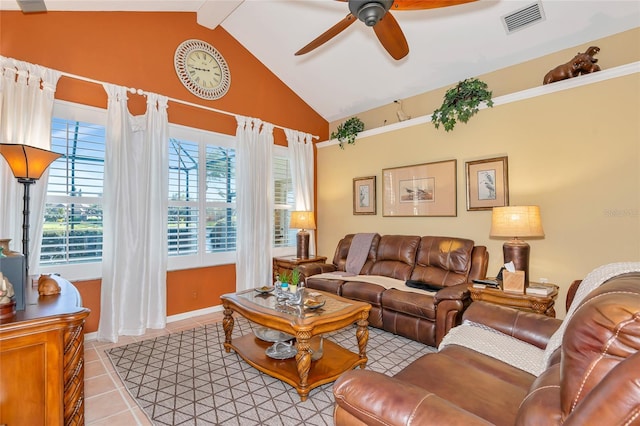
pixel 593 378
pixel 446 264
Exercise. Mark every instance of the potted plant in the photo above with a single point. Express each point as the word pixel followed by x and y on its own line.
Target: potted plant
pixel 294 280
pixel 347 131
pixel 461 102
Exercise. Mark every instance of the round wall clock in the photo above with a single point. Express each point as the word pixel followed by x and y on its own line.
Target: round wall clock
pixel 202 69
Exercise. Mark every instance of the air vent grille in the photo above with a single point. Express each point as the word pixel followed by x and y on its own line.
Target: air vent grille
pixel 32 6
pixel 523 18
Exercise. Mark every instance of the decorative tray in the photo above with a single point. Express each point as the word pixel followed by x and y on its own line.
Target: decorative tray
pixel 271 335
pixel 265 289
pixel 313 304
pixel 281 350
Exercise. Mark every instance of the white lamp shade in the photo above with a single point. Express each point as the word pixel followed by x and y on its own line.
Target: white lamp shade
pixel 516 221
pixel 302 220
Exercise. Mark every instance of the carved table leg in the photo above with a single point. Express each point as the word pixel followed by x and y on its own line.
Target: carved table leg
pixel 227 325
pixel 303 362
pixel 362 334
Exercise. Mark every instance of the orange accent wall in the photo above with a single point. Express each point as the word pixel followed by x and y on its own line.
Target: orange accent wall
pixel 90 292
pixel 200 288
pixel 136 49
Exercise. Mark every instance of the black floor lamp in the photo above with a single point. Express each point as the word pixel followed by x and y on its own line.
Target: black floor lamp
pixel 27 163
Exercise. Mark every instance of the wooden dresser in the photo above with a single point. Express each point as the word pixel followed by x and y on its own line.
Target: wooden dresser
pixel 42 360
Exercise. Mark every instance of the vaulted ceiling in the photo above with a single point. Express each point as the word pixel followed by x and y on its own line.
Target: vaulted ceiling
pixel 352 72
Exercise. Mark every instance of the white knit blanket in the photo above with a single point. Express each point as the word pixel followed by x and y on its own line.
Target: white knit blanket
pixel 386 282
pixel 523 355
pixel 495 344
pixel 592 281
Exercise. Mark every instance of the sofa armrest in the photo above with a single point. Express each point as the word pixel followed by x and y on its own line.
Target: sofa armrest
pixel 364 397
pixel 529 327
pixel 309 269
pixel 453 292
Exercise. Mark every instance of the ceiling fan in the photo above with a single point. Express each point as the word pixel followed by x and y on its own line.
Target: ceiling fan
pixel 375 13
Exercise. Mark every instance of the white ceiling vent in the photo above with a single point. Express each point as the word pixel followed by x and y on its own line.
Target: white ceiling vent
pixel 32 6
pixel 523 18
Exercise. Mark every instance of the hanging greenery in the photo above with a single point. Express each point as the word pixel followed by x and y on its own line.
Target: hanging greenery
pixel 461 102
pixel 347 131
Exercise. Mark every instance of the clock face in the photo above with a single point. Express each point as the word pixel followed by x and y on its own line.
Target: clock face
pixel 202 70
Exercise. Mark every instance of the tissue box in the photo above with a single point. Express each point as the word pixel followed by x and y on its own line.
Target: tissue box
pixel 513 281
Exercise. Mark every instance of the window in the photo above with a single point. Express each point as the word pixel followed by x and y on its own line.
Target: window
pixel 202 203
pixel 201 196
pixel 284 201
pixel 72 230
pixel 188 199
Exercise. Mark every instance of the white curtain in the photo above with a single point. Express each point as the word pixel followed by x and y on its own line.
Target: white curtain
pixel 254 203
pixel 134 257
pixel 26 108
pixel 302 171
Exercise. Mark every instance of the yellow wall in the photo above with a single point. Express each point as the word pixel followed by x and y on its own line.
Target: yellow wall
pixel 618 49
pixel 575 153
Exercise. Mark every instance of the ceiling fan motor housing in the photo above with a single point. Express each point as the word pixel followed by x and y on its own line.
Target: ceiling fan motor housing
pixel 369 11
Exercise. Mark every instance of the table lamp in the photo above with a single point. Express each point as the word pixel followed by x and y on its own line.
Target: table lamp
pixel 27 163
pixel 303 221
pixel 515 222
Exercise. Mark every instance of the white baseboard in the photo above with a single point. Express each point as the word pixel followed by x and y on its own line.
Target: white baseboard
pixel 88 337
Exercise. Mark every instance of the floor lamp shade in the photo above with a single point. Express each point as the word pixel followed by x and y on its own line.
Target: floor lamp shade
pixel 516 222
pixel 302 220
pixel 27 164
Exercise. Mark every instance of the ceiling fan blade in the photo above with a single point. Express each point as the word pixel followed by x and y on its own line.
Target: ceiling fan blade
pixel 328 35
pixel 391 36
pixel 425 4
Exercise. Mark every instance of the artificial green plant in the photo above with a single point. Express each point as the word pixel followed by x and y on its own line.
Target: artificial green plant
pixel 347 131
pixel 461 102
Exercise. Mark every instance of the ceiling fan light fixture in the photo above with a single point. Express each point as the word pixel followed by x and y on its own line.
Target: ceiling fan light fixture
pixel 369 12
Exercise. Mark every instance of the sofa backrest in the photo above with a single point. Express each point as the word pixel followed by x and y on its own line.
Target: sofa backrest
pixel 342 250
pixel 598 378
pixel 395 256
pixel 445 261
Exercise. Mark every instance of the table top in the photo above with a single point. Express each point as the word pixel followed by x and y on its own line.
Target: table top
pixel 515 295
pixel 257 306
pixel 42 309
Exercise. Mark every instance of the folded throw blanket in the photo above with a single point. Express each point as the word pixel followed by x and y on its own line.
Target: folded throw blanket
pixel 386 282
pixel 358 252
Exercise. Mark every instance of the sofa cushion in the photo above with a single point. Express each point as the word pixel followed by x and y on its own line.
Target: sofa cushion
pixel 497 388
pixel 443 261
pixel 366 292
pixel 395 256
pixel 416 304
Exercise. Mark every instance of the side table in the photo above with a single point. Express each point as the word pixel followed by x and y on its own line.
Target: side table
pixel 526 302
pixel 289 263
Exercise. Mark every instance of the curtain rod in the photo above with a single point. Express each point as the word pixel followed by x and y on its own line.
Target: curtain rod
pixel 179 101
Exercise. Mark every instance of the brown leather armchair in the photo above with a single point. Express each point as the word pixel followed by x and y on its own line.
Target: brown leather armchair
pixel 592 379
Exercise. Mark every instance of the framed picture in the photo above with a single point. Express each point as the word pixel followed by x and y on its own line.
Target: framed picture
pixel 420 190
pixel 487 184
pixel 364 195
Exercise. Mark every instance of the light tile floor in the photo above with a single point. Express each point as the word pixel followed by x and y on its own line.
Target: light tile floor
pixel 107 402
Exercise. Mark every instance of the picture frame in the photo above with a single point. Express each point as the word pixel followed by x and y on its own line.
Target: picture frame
pixel 427 189
pixel 364 195
pixel 487 183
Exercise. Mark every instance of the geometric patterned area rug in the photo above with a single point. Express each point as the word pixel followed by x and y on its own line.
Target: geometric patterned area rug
pixel 186 378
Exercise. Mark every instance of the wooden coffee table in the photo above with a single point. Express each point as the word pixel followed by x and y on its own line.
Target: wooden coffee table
pixel 303 323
